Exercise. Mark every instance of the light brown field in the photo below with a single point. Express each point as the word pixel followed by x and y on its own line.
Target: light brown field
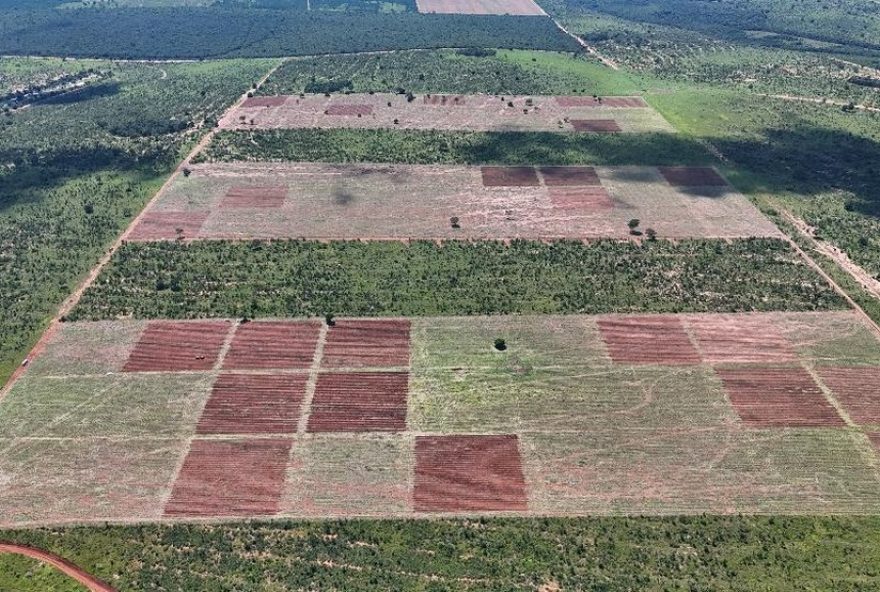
pixel 381 202
pixel 514 7
pixel 559 423
pixel 447 112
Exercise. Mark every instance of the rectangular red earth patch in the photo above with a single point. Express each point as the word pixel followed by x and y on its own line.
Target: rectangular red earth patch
pixel 619 102
pixel 468 474
pixel 741 340
pixel 499 176
pixel 349 110
pixel 360 402
pixel 254 404
pixel 230 478
pixel 283 345
pixel 583 199
pixel 692 176
pixel 168 225
pixel 269 196
pixel 570 176
pixel 648 340
pixel 857 389
pixel 778 397
pixel 367 344
pixel 173 346
pixel 443 100
pixel 276 101
pixel 595 126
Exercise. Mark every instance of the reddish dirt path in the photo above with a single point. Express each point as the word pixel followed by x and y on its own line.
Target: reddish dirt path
pixel 74 298
pixel 59 563
pixel 592 50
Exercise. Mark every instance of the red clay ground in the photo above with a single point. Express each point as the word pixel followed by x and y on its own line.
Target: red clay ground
pixel 583 199
pixel 170 346
pixel 596 126
pixel 59 563
pixel 168 225
pixel 692 176
pixel 778 397
pixel 360 402
pixel 367 344
pixel 282 345
pixel 513 7
pixel 647 340
pixel 570 176
pixel 254 404
pixel 616 102
pixel 352 110
pixel 858 391
pixel 230 478
pixel 263 101
pixel 741 340
pixel 468 474
pixel 495 176
pixel 270 196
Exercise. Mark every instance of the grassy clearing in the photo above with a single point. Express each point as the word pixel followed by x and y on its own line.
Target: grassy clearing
pixel 23 574
pixel 178 280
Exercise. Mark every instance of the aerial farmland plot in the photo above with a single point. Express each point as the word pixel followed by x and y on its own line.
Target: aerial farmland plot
pixel 398 202
pixel 518 7
pixel 572 415
pixel 598 115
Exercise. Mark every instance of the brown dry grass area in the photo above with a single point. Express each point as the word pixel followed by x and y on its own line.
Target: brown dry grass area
pixel 648 340
pixel 401 202
pixel 444 112
pixel 168 225
pixel 596 126
pixel 512 7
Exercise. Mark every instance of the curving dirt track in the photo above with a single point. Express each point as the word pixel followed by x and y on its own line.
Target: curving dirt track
pixel 59 563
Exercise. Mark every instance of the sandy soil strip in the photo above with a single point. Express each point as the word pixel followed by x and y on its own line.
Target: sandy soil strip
pixel 820 101
pixel 59 563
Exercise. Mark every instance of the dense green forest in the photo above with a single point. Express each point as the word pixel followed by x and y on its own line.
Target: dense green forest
pixel 614 554
pixel 252 279
pixel 75 169
pixel 210 32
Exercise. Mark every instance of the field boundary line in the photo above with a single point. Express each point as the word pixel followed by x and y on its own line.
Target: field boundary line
pixel 829 396
pixel 312 383
pixel 59 563
pixel 71 301
pixel 590 49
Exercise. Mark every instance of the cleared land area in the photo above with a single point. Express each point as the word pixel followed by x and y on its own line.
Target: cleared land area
pixel 431 417
pixel 521 7
pixel 447 112
pixel 382 202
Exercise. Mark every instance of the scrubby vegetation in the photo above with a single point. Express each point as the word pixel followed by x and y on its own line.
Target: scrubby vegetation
pixel 610 554
pixel 75 169
pixel 202 279
pixel 22 574
pixel 210 32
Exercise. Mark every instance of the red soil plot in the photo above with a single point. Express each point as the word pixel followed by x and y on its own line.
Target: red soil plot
pixel 349 110
pixel 367 343
pixel 595 126
pixel 741 340
pixel 271 196
pixel 509 176
pixel 618 102
pixel 778 397
pixel 281 345
pixel 468 473
pixel 168 225
pixel 360 402
pixel 264 101
pixel 171 346
pixel 647 340
pixel 443 100
pixel 581 199
pixel 230 478
pixel 254 404
pixel 692 176
pixel 568 176
pixel 858 391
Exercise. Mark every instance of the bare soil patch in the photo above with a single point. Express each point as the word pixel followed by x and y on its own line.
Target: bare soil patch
pixel 367 344
pixel 567 176
pixel 647 340
pixel 254 404
pixel 740 339
pixel 230 478
pixel 778 397
pixel 169 346
pixel 263 101
pixel 692 176
pixel 270 196
pixel 168 225
pixel 588 200
pixel 858 391
pixel 596 102
pixel 501 7
pixel 354 110
pixel 273 344
pixel 499 176
pixel 468 474
pixel 596 126
pixel 360 402
pixel 458 100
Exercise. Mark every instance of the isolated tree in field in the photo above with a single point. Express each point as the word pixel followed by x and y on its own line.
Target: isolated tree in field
pixel 633 225
pixel 454 222
pixel 500 344
pixel 651 234
pixel 186 172
pixel 329 320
